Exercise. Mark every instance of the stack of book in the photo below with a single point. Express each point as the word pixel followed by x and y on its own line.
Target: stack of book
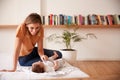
pixel 91 19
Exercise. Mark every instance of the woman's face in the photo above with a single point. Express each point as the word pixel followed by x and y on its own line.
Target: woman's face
pixel 33 28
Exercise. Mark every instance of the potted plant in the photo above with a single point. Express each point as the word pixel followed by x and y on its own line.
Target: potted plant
pixel 68 37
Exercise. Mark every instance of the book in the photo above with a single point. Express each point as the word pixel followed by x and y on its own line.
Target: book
pixel 110 19
pixel 61 19
pixel 65 19
pixel 51 19
pixel 46 20
pixel 80 20
pixel 104 21
pixel 76 20
pixel 94 19
pixel 86 20
pixel 55 20
pixel 89 19
pixel 116 19
pixel 69 20
pixel 43 20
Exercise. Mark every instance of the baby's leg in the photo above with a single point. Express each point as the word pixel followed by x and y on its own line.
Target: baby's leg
pixel 55 55
pixel 50 53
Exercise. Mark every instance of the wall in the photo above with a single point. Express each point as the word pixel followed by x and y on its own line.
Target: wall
pixel 84 7
pixel 15 11
pixel 106 47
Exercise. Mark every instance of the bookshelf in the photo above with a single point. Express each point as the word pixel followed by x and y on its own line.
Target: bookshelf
pixel 63 26
pixel 82 26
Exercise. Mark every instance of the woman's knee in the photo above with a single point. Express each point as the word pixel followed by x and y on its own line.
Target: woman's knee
pixel 22 63
pixel 25 62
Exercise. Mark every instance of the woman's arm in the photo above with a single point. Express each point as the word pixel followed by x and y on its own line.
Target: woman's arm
pixel 40 50
pixel 18 43
pixel 15 55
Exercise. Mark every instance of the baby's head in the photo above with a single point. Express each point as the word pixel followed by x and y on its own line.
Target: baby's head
pixel 38 67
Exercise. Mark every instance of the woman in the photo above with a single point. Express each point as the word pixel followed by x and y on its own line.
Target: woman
pixel 27 35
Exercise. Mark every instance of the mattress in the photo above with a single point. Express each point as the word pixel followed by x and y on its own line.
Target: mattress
pixel 25 73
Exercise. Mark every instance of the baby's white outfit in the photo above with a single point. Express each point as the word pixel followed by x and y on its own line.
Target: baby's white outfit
pixel 49 64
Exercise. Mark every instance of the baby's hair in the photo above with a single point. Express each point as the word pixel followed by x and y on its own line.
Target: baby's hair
pixel 36 68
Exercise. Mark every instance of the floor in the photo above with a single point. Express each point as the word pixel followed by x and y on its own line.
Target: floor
pixel 99 70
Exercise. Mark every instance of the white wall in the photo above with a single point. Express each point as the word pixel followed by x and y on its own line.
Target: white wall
pixel 15 11
pixel 84 7
pixel 7 38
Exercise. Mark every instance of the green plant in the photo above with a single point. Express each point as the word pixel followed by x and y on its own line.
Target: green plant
pixel 67 37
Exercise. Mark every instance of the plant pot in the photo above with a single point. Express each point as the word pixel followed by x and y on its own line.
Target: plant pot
pixel 69 54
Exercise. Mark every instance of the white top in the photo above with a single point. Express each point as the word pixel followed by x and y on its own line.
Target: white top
pixel 49 65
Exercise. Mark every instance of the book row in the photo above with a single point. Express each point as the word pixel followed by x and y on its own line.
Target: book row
pixel 91 19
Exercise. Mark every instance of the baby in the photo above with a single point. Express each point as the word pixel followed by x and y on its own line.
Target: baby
pixel 47 66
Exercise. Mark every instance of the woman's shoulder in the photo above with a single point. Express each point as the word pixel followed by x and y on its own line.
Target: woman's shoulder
pixel 21 27
pixel 21 30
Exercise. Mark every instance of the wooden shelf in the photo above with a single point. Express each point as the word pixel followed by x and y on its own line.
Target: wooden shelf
pixel 82 26
pixel 8 26
pixel 63 26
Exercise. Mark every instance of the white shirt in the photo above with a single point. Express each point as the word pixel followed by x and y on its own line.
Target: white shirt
pixel 49 65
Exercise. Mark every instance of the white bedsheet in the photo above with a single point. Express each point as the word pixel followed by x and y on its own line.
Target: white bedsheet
pixel 25 73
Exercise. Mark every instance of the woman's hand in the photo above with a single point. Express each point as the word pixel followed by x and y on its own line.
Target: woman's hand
pixel 44 57
pixel 4 70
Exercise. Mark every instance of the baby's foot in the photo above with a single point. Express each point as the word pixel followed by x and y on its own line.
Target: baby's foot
pixel 56 67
